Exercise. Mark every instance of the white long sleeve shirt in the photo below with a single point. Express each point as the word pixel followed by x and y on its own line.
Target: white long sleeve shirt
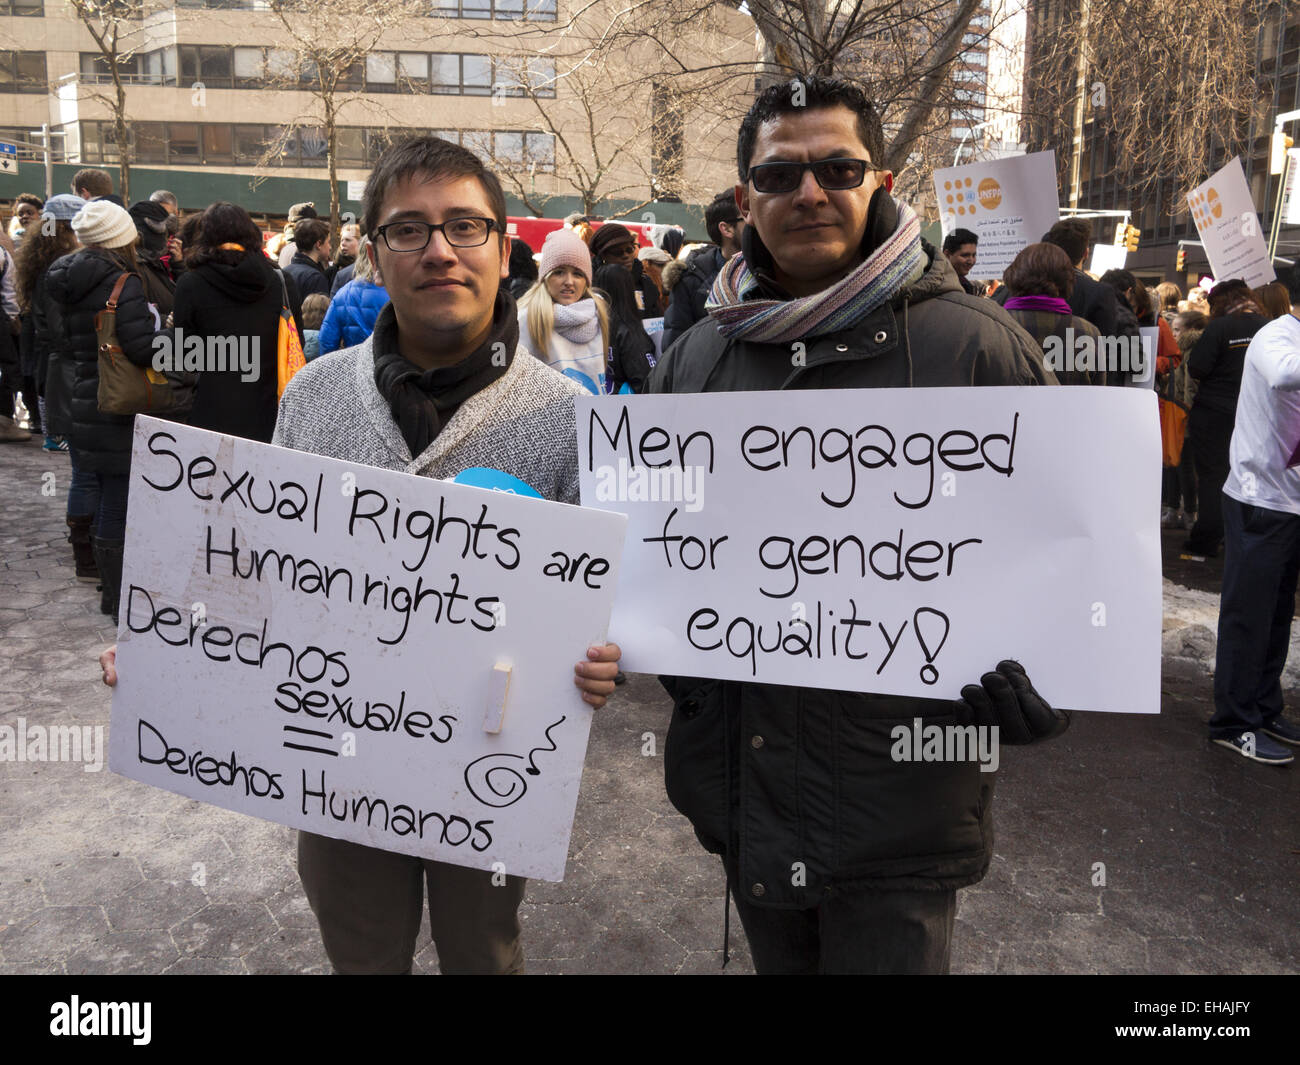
pixel 1267 429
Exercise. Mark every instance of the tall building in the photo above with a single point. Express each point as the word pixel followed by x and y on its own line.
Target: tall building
pixel 1067 111
pixel 217 93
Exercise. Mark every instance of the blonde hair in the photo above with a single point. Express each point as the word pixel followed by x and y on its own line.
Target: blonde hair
pixel 1170 295
pixel 362 270
pixel 313 310
pixel 540 310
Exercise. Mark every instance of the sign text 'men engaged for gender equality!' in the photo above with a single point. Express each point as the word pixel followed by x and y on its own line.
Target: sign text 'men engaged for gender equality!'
pixel 900 541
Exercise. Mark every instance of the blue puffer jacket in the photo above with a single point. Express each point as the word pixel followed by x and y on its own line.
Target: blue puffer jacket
pixel 352 314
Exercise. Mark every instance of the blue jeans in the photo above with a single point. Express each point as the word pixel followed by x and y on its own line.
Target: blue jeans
pixel 83 492
pixel 1260 567
pixel 110 519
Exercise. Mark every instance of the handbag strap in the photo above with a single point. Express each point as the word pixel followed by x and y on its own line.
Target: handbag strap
pixel 284 291
pixel 117 291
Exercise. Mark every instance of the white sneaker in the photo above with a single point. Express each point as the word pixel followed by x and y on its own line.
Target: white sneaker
pixel 9 431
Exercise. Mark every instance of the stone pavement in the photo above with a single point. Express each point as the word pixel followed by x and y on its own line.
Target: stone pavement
pixel 99 874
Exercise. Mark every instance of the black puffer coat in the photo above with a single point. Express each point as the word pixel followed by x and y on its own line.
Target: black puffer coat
pixel 820 788
pixel 79 286
pixel 242 302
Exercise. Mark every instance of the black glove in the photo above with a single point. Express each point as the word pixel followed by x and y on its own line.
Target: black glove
pixel 1007 699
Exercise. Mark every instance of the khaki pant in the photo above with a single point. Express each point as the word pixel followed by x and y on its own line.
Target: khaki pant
pixel 368 904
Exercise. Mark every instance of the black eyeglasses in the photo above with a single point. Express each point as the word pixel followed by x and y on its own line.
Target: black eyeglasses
pixel 414 235
pixel 830 174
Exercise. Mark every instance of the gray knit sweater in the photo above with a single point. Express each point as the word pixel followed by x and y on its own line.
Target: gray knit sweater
pixel 522 423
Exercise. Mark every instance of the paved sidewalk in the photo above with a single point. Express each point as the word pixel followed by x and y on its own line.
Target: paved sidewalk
pixel 99 874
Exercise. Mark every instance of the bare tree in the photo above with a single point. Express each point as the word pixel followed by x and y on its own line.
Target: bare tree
pixel 905 52
pixel 605 138
pixel 1169 85
pixel 113 24
pixel 326 46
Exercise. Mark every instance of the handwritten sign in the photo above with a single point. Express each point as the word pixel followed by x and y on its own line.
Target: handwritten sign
pixel 327 646
pixel 1007 203
pixel 900 541
pixel 1228 225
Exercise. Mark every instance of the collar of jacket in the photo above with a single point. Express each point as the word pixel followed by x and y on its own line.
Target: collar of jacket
pixel 303 257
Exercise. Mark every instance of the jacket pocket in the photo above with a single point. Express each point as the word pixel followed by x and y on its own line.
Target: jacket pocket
pixel 908 806
pixel 695 758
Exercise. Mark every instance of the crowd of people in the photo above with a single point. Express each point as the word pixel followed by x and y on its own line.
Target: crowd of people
pixel 432 315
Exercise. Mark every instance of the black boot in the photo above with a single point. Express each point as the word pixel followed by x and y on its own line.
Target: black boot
pixel 108 554
pixel 82 551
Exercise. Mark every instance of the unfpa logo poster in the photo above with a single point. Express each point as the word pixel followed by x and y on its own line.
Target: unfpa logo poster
pixel 1006 203
pixel 1229 227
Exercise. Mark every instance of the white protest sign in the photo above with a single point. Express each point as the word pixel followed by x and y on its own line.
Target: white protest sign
pixel 900 541
pixel 1290 191
pixel 318 644
pixel 1007 203
pixel 1229 227
pixel 1107 257
pixel 356 189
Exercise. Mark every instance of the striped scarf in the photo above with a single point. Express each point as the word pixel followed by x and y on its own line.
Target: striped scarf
pixel 898 262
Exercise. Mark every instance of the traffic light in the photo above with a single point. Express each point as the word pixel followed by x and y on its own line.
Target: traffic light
pixel 1131 235
pixel 1180 263
pixel 1120 227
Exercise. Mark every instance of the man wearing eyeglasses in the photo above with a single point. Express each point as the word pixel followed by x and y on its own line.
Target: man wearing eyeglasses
pixel 724 223
pixel 839 859
pixel 437 388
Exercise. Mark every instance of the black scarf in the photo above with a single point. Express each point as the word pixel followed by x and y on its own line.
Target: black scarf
pixel 423 401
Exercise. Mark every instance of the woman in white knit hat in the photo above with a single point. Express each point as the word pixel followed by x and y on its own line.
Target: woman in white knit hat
pixel 79 287
pixel 561 320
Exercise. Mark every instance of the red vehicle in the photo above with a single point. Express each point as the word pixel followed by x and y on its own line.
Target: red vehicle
pixel 534 230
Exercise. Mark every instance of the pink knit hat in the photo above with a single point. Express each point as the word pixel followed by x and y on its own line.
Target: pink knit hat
pixel 564 247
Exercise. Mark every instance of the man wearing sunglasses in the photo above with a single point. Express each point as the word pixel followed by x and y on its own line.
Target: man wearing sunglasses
pixel 834 288
pixel 437 388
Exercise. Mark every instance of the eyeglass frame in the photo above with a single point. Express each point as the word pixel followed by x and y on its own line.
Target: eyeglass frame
pixel 440 227
pixel 867 168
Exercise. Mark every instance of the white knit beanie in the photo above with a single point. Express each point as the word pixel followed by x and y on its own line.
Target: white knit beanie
pixel 104 223
pixel 563 247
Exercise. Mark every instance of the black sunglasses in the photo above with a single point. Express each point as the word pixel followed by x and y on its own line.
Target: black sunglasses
pixel 830 174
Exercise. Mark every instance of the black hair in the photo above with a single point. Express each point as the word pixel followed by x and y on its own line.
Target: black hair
pixel 619 288
pixel 810 92
pixel 1071 235
pixel 430 157
pixel 959 238
pixel 722 208
pixel 222 223
pixel 522 264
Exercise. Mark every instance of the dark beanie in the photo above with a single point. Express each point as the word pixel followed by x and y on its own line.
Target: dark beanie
pixel 151 221
pixel 609 234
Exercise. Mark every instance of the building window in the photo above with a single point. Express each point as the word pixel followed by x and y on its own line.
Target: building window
pixel 506 10
pixel 29 8
pixel 191 143
pixel 23 72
